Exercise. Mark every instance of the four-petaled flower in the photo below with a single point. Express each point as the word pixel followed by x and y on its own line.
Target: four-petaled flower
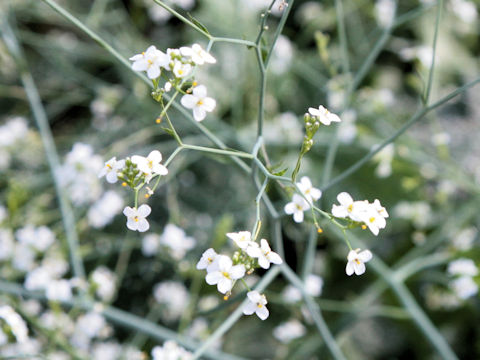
pixel 325 116
pixel 197 54
pixel 256 304
pixel 181 70
pixel 225 275
pixel 136 217
pixel 150 61
pixel 311 193
pixel 243 239
pixel 348 207
pixel 208 260
pixel 111 168
pixel 150 165
pixel 199 102
pixel 264 254
pixel 296 207
pixel 356 261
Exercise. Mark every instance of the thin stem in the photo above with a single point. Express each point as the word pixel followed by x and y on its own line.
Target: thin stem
pixel 234 41
pixel 434 51
pixel 309 253
pixel 218 151
pixel 53 159
pixel 343 36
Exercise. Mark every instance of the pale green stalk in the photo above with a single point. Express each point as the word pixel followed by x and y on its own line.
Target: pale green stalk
pixel 434 52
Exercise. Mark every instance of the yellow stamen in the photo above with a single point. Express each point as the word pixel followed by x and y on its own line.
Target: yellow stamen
pixel 372 219
pixel 136 218
pixel 259 305
pixel 124 184
pixel 109 166
pixel 350 208
pixel 364 227
pixel 226 274
pixel 158 120
pixel 180 72
pixel 147 196
pixel 194 84
pixel 150 62
pixel 143 52
pixel 357 261
pixel 320 230
pixel 225 297
pixel 200 102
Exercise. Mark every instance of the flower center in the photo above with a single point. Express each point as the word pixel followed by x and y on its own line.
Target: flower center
pixel 150 61
pixel 357 261
pixel 226 274
pixel 209 259
pixel 200 102
pixel 372 219
pixel 298 207
pixel 150 164
pixel 180 72
pixel 136 219
pixel 350 208
pixel 259 305
pixel 109 166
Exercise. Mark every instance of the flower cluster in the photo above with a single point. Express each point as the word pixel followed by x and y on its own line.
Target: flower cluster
pixel 135 172
pixel 224 271
pixel 372 215
pixel 180 63
pixel 303 202
pixel 464 270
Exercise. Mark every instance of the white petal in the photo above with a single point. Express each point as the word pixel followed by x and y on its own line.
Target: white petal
pixel 137 159
pixel 315 193
pixel 298 216
pixel 249 308
pixel 224 285
pixel 144 210
pixel 263 262
pixel 199 113
pixel 209 104
pixel 254 296
pixel 153 72
pixel 349 269
pixel 262 312
pixel 189 101
pixel 140 65
pixel 339 211
pixel 254 251
pixel 344 198
pixel 359 268
pixel 213 277
pixel 224 263
pixel 333 117
pixel 160 169
pixel 155 156
pixel 143 225
pixel 112 177
pixel 132 224
pixel 290 208
pixel 129 212
pixel 237 271
pixel 275 258
pixel 314 112
pixel 365 255
pixel 200 91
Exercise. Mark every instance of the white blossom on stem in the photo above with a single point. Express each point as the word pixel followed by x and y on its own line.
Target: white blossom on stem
pixel 306 187
pixel 150 165
pixel 356 261
pixel 181 70
pixel 225 274
pixel 199 102
pixel 296 207
pixel 197 54
pixel 256 304
pixel 208 260
pixel 243 239
pixel 325 116
pixel 150 61
pixel 264 254
pixel 136 218
pixel 111 168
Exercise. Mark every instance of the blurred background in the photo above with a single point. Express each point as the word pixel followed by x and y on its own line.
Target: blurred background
pixel 428 179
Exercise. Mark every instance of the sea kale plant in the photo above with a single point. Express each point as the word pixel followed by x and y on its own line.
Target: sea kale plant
pixel 252 168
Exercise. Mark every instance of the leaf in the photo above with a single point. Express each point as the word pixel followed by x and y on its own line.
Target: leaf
pixel 168 131
pixel 281 172
pixel 197 23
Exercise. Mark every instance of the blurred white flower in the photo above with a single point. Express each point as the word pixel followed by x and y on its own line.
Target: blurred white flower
pixel 40 238
pixel 102 212
pixel 264 254
pixel 23 258
pixel 225 275
pixel 288 331
pixel 177 241
pixel 384 158
pixel 323 115
pixel 256 304
pixel 59 290
pixel 465 10
pixel 348 130
pixel 174 296
pixel 106 351
pixel 199 102
pixel 463 241
pixel 208 261
pixel 282 55
pixel 242 239
pixel 111 169
pixel 6 244
pixel 150 61
pixel 462 266
pixel 356 261
pixel 197 54
pixel 136 218
pixel 296 207
pixel 419 212
pixel 348 207
pixel 150 244
pixel 14 129
pixel 170 350
pixel 464 287
pixel 307 189
pixel 313 287
pixel 105 283
pixel 38 279
pixel 385 12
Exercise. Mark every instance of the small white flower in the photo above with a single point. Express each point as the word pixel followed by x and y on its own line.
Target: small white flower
pixel 225 274
pixel 256 304
pixel 150 61
pixel 356 261
pixel 150 165
pixel 264 254
pixel 150 244
pixel 289 331
pixel 311 193
pixel 348 207
pixel 15 322
pixel 325 116
pixel 208 260
pixel 105 282
pixel 373 219
pixel 197 54
pixel 464 287
pixel 59 290
pixel 177 241
pixel 136 217
pixel 462 267
pixel 181 70
pixel 242 239
pixel 111 168
pixel 381 210
pixel 296 207
pixel 168 86
pixel 199 102
pixel 174 296
pixel 170 350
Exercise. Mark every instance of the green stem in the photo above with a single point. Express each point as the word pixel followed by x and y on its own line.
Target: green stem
pixel 218 151
pixel 434 52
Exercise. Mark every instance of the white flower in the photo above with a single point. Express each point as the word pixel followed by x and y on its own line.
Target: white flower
pixel 208 260
pixel 311 193
pixel 177 241
pixel 225 274
pixel 6 244
pixel 104 210
pixel 296 207
pixel 313 286
pixel 356 261
pixel 289 331
pixel 150 244
pixel 199 102
pixel 348 207
pixel 136 217
pixel 170 351
pixel 242 239
pixel 105 283
pixel 59 290
pixel 372 218
pixel 181 70
pixel 462 267
pixel 111 168
pixel 150 61
pixel 40 238
pixel 197 54
pixel 174 296
pixel 464 287
pixel 325 116
pixel 264 254
pixel 150 165
pixel 15 322
pixel 256 304
pixel 167 87
pixel 38 279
